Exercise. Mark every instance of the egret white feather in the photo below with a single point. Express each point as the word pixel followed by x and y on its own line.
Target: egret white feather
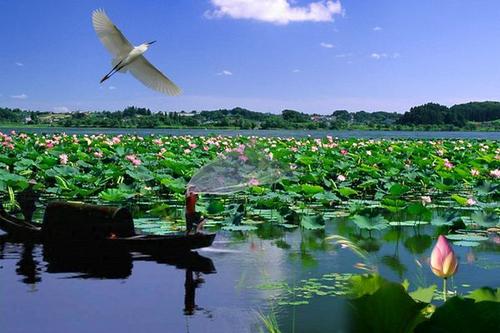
pixel 129 57
pixel 151 77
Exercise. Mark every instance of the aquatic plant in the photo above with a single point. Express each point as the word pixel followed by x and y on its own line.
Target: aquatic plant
pixel 443 261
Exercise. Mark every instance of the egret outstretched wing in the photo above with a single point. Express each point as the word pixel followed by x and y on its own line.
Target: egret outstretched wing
pixel 151 77
pixel 110 35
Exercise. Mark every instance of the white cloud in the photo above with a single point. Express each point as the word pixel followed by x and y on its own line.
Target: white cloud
pixel 20 64
pixel 378 56
pixel 111 87
pixel 296 70
pixel 61 109
pixel 326 45
pixel 225 72
pixel 377 28
pixel 275 11
pixel 343 55
pixel 20 96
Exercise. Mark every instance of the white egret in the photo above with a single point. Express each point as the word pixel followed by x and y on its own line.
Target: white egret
pixel 128 57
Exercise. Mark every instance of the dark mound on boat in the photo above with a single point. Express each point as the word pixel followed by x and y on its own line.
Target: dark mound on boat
pixel 72 222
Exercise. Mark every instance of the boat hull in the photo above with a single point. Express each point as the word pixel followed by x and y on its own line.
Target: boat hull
pixel 22 231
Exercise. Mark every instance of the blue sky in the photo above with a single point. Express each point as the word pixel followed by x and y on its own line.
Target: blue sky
pixel 312 56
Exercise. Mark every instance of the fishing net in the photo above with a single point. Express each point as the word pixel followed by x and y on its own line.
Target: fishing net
pixel 236 171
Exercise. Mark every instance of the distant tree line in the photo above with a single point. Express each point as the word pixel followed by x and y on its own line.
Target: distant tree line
pixel 431 116
pixel 458 115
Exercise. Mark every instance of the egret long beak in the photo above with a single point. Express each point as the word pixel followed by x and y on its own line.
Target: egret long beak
pixel 151 42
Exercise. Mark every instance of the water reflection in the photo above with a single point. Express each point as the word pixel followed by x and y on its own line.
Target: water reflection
pixel 27 266
pixel 92 262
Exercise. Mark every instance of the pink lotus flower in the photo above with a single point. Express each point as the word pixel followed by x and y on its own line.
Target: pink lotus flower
pixel 63 159
pixel 443 260
pixel 448 164
pixel 240 149
pixel 98 154
pixel 133 159
pixel 341 178
pixel 426 199
pixel 474 172
pixel 471 202
pixel 253 182
pixel 344 152
pixel 495 173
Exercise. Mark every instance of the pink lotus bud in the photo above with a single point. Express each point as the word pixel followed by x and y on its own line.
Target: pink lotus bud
pixel 443 260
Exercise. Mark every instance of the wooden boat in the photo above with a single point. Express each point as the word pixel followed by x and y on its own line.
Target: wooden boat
pixel 103 226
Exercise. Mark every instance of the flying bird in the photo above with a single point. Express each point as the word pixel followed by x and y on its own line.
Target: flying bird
pixel 127 57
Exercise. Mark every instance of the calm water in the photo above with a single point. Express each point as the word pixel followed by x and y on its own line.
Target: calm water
pixel 219 289
pixel 269 133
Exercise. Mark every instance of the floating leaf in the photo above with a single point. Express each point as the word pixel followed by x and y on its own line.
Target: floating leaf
pixel 466 243
pixel 370 223
pixel 485 294
pixel 312 222
pixel 239 228
pixel 466 237
pixel 406 223
pixel 347 191
pixel 424 294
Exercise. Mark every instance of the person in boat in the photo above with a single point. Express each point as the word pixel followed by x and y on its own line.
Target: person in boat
pixel 194 219
pixel 27 202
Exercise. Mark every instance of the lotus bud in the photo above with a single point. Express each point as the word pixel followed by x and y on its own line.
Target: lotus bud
pixel 443 260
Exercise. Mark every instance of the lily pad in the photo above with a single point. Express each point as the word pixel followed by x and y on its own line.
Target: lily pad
pixel 466 237
pixel 239 228
pixel 406 223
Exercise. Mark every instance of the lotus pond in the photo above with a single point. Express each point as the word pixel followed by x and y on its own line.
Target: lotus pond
pixel 341 243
